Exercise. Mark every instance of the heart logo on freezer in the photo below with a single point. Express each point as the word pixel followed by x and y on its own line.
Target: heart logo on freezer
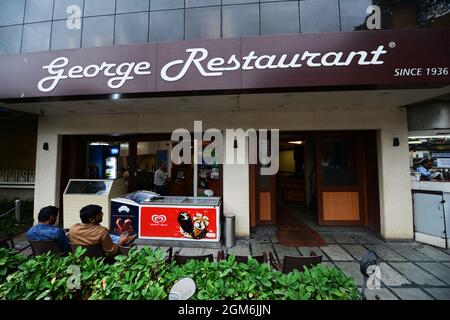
pixel 159 218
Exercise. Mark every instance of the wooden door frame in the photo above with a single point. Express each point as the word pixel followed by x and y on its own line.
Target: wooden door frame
pixel 254 192
pixel 272 202
pixel 358 188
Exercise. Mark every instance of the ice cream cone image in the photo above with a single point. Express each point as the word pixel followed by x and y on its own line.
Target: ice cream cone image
pixel 197 232
pixel 200 223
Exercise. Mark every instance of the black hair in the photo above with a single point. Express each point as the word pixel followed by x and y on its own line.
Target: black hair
pixel 425 161
pixel 89 212
pixel 47 212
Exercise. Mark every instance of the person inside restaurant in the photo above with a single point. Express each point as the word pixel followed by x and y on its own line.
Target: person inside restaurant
pixel 160 179
pixel 424 169
pixel 89 232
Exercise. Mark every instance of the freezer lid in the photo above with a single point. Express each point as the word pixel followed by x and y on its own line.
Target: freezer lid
pixel 140 196
pixel 186 201
pixel 209 201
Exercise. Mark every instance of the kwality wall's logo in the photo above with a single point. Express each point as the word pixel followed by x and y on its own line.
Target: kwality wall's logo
pixel 123 209
pixel 158 219
pixel 200 60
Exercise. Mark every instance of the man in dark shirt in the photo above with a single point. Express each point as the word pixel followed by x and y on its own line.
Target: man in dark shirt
pixel 45 229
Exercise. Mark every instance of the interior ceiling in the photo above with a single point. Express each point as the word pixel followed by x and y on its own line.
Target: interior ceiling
pixel 244 102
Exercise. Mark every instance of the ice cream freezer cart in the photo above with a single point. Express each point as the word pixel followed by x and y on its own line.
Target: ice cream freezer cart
pixel 167 218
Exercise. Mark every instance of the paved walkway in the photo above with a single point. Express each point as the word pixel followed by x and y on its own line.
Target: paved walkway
pixel 409 270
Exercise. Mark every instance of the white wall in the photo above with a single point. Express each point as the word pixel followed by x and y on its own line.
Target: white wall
pixel 396 217
pixel 395 198
pixel 47 169
pixel 236 197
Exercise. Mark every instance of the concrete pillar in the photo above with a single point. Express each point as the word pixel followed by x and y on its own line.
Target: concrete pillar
pixel 396 217
pixel 48 162
pixel 236 198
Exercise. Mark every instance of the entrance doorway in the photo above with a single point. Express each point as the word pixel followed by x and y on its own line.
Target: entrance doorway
pixel 339 163
pixel 135 158
pixel 324 179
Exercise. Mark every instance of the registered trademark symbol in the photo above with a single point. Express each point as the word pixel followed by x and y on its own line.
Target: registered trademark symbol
pixel 392 44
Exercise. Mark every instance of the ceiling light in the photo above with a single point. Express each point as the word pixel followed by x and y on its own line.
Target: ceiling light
pixel 296 142
pixel 98 144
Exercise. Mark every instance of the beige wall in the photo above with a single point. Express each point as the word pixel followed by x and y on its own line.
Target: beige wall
pixel 395 198
pixel 48 162
pixel 396 219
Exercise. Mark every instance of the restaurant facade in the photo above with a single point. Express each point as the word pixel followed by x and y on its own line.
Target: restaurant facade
pixel 337 92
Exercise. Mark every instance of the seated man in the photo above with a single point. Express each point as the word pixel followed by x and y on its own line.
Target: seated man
pixel 45 229
pixel 90 232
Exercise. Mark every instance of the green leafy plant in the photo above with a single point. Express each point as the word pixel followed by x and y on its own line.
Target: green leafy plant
pixel 145 274
pixel 47 276
pixel 9 262
pixel 133 277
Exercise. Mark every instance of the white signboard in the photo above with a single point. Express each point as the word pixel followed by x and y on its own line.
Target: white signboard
pixel 443 162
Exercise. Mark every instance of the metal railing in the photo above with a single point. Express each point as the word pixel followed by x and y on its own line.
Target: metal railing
pixel 17 176
pixel 15 209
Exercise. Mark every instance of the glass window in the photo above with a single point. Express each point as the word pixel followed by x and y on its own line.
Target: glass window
pixel 99 7
pixel 60 10
pixel 166 25
pixel 166 4
pixel 63 37
pixel 201 3
pixel 353 14
pixel 88 187
pixel 36 37
pixel 225 2
pixel 412 14
pixel 131 28
pixel 98 31
pixel 124 6
pixel 431 14
pixel 319 16
pixel 38 10
pixel 240 20
pixel 10 39
pixel 279 17
pixel 203 23
pixel 11 12
pixel 338 162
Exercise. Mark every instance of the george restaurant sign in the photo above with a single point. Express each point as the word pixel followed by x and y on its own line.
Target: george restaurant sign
pixel 406 57
pixel 199 60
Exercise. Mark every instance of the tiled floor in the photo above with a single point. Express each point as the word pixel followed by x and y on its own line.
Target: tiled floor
pixel 409 270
